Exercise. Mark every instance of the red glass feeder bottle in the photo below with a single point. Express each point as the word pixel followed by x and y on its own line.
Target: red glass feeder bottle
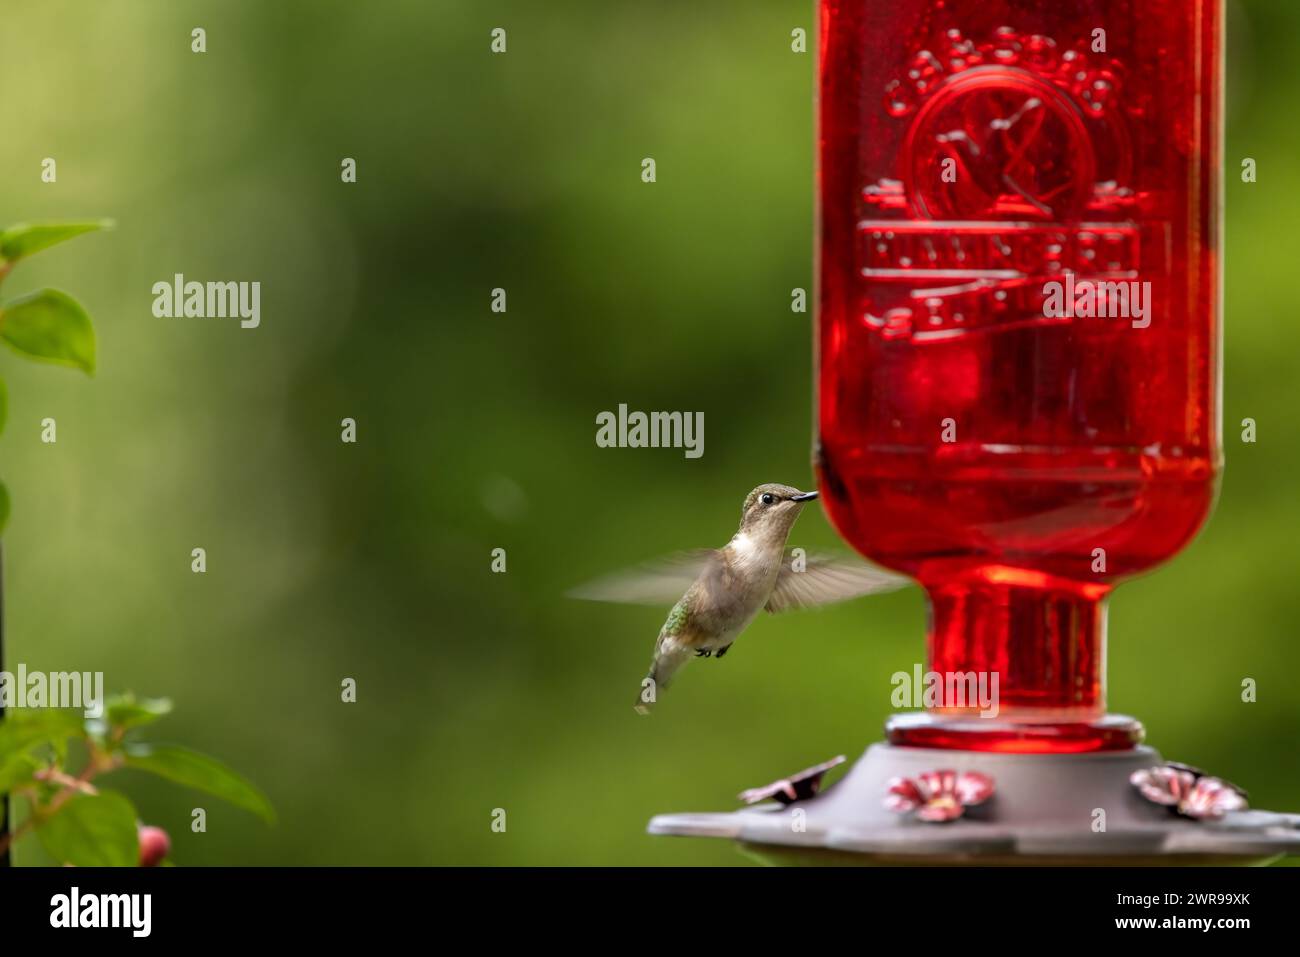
pixel 1018 327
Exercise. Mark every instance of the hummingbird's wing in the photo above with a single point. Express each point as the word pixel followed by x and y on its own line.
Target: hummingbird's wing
pixel 660 582
pixel 826 579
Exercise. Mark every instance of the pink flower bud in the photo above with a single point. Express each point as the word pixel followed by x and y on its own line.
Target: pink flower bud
pixel 154 845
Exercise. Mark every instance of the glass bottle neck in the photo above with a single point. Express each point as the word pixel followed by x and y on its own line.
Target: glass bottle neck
pixel 1041 643
pixel 1035 648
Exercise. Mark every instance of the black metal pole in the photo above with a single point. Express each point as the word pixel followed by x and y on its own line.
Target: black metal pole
pixel 4 798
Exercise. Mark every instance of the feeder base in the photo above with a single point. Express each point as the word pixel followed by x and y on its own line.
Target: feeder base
pixel 1047 809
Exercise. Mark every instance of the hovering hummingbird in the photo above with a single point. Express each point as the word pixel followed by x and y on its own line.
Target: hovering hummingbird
pixel 726 588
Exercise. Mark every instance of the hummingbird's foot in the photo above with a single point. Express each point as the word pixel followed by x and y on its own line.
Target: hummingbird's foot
pixel 704 653
pixel 722 651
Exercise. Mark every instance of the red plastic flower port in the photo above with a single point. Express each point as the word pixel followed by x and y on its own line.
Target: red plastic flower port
pixel 1188 791
pixel 797 787
pixel 938 796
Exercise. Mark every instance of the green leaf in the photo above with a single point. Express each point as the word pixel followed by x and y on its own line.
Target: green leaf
pixel 92 830
pixel 126 711
pixel 16 770
pixel 24 239
pixel 200 772
pixel 23 728
pixel 23 731
pixel 52 326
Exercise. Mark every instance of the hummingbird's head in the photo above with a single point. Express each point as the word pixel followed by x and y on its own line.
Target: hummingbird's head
pixel 770 510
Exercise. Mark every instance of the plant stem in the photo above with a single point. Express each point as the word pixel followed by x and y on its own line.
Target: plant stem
pixel 78 785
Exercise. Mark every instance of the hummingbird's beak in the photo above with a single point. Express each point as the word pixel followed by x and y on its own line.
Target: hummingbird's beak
pixel 805 497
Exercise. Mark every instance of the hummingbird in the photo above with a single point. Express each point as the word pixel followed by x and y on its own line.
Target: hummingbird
pixel 726 588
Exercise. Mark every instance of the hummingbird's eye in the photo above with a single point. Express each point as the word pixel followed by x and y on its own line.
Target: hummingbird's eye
pixel 767 498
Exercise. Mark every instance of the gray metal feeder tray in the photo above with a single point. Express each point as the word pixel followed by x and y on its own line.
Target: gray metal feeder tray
pixel 1044 810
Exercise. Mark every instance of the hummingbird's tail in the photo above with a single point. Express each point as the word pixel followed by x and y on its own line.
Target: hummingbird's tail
pixel 646 694
pixel 666 662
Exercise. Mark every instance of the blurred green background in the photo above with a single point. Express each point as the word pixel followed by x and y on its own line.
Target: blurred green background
pixel 476 430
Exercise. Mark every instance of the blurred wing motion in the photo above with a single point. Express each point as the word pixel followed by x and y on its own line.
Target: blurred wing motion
pixel 826 579
pixel 661 582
